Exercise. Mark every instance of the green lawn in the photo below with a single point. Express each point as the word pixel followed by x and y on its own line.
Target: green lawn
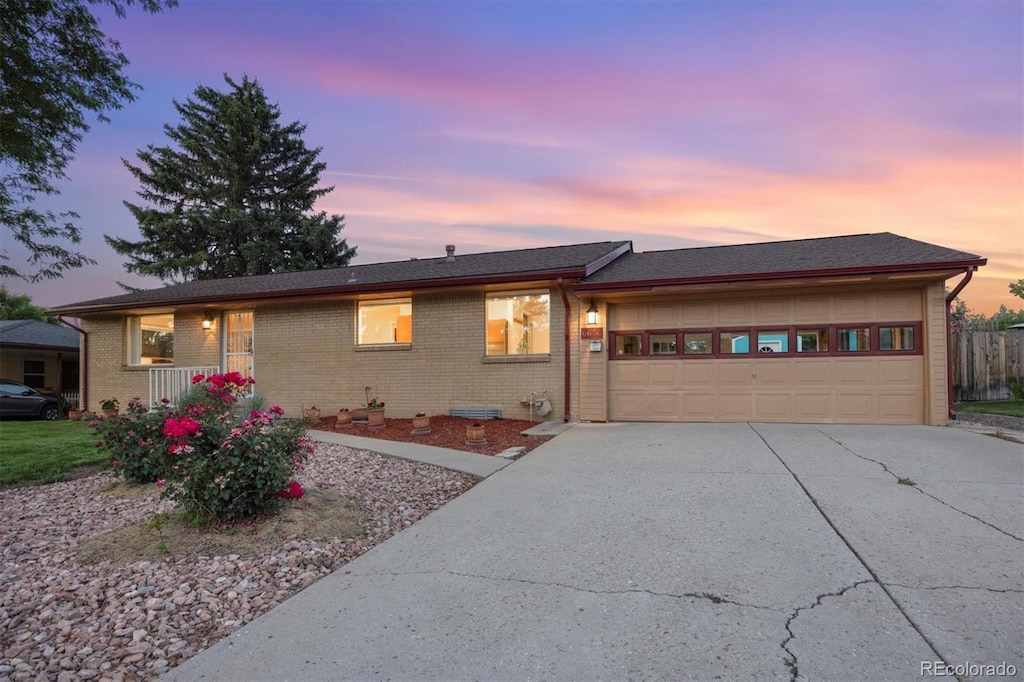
pixel 44 452
pixel 1012 408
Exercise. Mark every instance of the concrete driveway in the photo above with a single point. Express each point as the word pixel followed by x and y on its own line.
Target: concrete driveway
pixel 681 551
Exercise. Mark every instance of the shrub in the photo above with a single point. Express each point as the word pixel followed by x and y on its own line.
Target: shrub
pixel 135 443
pixel 217 464
pixel 1016 389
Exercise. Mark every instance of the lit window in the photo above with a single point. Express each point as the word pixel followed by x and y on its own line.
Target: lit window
pixel 151 339
pixel 812 341
pixel 732 343
pixel 853 340
pixel 385 321
pixel 697 343
pixel 896 338
pixel 518 323
pixel 663 344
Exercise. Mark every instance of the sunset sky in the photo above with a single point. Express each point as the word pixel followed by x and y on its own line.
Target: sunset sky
pixel 497 125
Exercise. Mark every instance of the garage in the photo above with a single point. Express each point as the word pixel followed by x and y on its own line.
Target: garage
pixel 715 335
pixel 852 358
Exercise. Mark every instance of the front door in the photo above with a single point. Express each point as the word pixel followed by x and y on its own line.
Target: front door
pixel 238 343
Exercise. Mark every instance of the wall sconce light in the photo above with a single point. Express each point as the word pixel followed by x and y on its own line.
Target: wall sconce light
pixel 208 322
pixel 592 313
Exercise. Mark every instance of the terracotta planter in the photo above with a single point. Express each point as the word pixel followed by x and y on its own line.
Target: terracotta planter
pixel 420 426
pixel 344 419
pixel 110 413
pixel 359 414
pixel 476 434
pixel 375 419
pixel 313 414
pixel 75 415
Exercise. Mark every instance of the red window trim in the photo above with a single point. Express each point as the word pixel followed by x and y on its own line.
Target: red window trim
pixel 874 336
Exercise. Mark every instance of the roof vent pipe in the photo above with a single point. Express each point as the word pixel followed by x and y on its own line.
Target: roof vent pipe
pixel 450 250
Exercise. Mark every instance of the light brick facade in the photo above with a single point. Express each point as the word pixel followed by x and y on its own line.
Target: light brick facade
pixel 305 354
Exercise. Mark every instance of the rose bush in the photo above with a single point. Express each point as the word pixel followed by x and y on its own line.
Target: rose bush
pixel 217 464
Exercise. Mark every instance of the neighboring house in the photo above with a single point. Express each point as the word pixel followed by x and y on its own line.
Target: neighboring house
pixel 840 329
pixel 41 355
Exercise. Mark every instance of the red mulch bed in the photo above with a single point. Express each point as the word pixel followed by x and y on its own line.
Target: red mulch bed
pixel 446 432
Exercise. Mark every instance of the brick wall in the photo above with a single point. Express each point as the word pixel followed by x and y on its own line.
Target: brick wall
pixel 305 354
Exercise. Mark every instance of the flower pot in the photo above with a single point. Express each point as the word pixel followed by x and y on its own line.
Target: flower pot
pixel 113 412
pixel 313 414
pixel 375 418
pixel 476 434
pixel 344 419
pixel 359 414
pixel 420 426
pixel 75 415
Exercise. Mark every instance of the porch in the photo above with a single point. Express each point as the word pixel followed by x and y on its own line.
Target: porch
pixel 171 382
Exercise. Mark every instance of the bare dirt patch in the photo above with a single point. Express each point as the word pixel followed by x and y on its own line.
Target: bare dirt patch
pixel 319 515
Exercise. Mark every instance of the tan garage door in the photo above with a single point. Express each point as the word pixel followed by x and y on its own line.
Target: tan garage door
pixel 851 386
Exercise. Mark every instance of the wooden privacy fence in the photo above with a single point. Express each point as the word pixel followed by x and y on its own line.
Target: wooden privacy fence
pixel 985 362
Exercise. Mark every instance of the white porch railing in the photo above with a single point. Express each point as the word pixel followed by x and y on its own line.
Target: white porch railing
pixel 171 382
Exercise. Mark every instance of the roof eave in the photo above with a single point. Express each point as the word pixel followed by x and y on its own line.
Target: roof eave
pixel 344 290
pixel 638 285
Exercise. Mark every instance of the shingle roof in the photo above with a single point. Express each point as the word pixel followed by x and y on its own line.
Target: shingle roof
pixel 572 261
pixel 861 252
pixel 37 334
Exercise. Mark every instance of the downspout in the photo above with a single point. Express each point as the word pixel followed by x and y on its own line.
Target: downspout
pixel 568 335
pixel 83 364
pixel 968 274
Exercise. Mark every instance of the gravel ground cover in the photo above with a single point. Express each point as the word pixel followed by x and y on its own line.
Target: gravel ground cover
pixel 64 618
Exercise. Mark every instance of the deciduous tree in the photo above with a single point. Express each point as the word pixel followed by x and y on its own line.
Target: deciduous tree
pixel 57 68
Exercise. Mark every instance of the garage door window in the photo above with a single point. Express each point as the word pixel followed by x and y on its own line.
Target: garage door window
pixel 733 343
pixel 812 341
pixel 697 343
pixel 663 344
pixel 628 345
pixel 854 339
pixel 896 338
pixel 773 341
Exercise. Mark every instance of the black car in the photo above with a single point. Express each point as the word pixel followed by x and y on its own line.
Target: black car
pixel 19 400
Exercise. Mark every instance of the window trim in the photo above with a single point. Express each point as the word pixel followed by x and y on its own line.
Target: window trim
pixel 832 329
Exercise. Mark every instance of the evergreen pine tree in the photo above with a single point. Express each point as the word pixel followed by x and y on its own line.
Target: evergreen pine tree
pixel 233 197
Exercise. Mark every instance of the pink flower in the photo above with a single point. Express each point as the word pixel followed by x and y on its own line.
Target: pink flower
pixel 294 491
pixel 197 378
pixel 160 483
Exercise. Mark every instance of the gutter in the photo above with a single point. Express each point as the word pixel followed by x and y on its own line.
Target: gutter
pixel 568 335
pixel 641 285
pixel 968 274
pixel 83 364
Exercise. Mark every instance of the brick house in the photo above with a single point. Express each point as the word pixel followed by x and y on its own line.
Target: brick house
pixel 840 329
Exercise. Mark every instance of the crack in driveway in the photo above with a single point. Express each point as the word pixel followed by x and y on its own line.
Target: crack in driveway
pixel 958 587
pixel 853 550
pixel 714 598
pixel 790 659
pixel 917 487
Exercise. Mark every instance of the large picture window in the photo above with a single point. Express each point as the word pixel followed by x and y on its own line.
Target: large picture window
pixel 385 321
pixel 151 339
pixel 518 323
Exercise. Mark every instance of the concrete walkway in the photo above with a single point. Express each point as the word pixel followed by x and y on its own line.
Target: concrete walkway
pixel 680 551
pixel 456 460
